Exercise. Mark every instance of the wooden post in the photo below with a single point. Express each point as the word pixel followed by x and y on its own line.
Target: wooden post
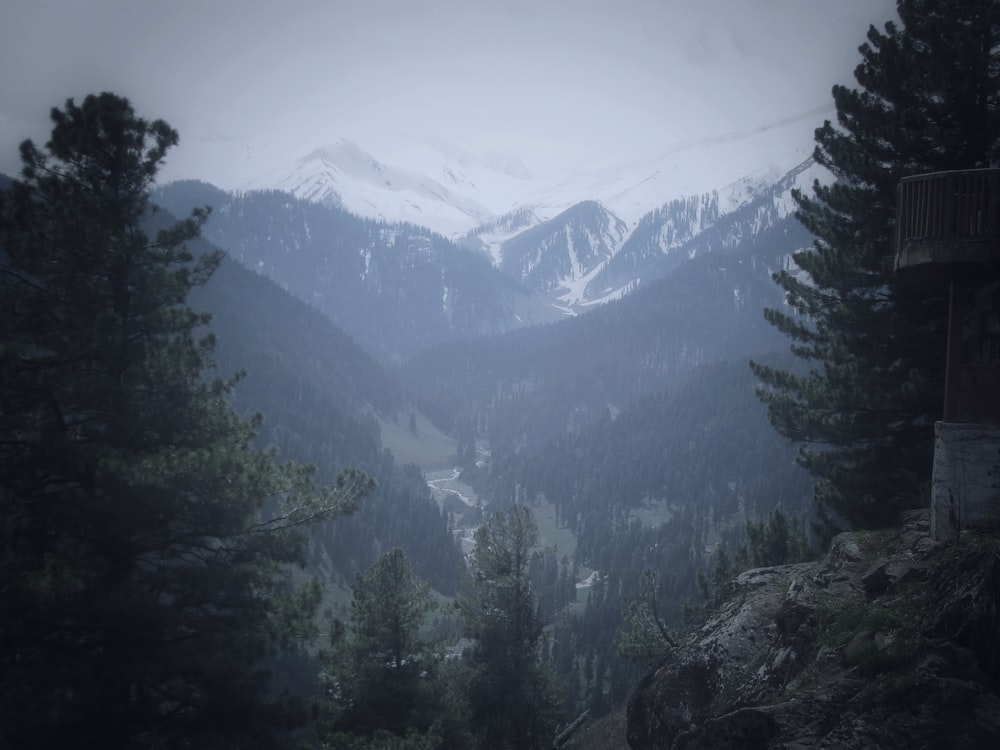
pixel 953 361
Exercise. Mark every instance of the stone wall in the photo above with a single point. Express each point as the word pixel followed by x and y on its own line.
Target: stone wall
pixel 965 488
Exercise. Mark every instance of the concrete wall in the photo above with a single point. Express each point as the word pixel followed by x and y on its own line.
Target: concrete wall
pixel 966 483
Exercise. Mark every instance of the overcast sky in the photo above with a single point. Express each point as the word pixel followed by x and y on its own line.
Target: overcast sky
pixel 251 84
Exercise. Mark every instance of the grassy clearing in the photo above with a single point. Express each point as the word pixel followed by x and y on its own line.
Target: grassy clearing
pixel 560 537
pixel 428 448
pixel 549 534
pixel 652 512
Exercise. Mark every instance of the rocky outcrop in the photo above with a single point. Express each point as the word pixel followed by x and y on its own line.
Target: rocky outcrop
pixel 891 641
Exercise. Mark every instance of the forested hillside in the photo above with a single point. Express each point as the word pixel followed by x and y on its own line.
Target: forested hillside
pixel 395 288
pixel 322 397
pixel 684 227
pixel 637 428
pixel 528 386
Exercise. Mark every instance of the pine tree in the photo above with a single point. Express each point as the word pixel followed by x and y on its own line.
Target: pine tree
pixel 510 693
pixel 643 635
pixel 873 344
pixel 145 543
pixel 776 540
pixel 382 672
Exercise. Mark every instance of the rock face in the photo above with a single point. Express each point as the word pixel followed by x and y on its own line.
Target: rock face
pixel 891 641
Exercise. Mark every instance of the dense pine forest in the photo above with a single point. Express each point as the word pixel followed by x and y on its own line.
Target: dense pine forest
pixel 220 413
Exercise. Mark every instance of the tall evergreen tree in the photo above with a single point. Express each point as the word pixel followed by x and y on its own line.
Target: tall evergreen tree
pixel 382 673
pixel 873 344
pixel 510 692
pixel 144 542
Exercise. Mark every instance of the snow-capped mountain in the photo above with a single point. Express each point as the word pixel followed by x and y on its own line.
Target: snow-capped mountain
pixel 714 221
pixel 401 288
pixel 451 189
pixel 558 257
pixel 350 234
pixel 442 193
pixel 588 255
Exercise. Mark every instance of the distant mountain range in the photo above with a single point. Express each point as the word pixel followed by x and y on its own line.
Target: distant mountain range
pixel 452 190
pixel 364 242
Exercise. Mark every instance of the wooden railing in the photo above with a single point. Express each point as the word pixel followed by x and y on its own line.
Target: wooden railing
pixel 948 217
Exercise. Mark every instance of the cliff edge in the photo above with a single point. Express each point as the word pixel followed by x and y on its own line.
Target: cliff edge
pixel 890 641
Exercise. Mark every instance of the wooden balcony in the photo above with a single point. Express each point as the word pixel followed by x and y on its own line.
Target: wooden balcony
pixel 948 218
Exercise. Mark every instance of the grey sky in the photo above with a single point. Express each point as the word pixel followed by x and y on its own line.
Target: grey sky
pixel 251 84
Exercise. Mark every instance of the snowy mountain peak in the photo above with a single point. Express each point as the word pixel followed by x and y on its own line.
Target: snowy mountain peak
pixel 348 157
pixel 560 256
pixel 346 175
pixel 450 188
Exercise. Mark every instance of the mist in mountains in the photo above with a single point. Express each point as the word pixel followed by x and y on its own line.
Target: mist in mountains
pixel 575 341
pixel 591 368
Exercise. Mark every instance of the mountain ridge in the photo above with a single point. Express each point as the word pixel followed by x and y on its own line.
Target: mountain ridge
pixel 451 189
pixel 400 287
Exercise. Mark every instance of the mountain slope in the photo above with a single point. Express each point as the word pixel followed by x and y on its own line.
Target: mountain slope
pixel 712 222
pixel 559 256
pixel 322 398
pixel 532 384
pixel 396 288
